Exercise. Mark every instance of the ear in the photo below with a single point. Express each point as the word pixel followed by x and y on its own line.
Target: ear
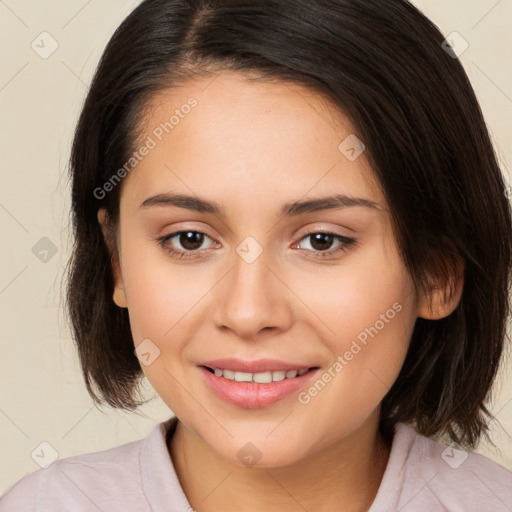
pixel 119 295
pixel 443 297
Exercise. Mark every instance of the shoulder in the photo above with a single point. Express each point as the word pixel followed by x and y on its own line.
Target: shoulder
pixel 462 477
pixel 428 473
pixel 78 481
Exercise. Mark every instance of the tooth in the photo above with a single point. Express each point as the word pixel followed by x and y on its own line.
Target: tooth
pixel 259 378
pixel 229 374
pixel 242 376
pixel 278 375
pixel 262 378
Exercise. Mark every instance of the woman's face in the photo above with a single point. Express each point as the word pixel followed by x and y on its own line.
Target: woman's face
pixel 259 289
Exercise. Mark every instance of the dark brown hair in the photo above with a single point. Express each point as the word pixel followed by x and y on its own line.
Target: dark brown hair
pixel 382 63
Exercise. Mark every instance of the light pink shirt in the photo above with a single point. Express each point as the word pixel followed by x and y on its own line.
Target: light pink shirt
pixel 422 475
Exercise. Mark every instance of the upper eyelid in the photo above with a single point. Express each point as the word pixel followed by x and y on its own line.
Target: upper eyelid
pixel 304 232
pixel 300 237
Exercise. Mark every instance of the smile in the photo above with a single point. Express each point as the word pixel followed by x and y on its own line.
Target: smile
pixel 258 378
pixel 255 384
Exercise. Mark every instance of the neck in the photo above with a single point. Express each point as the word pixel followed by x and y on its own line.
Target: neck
pixel 344 476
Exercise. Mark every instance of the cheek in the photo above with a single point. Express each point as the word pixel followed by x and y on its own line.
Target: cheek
pixel 161 294
pixel 355 299
pixel 366 316
pixel 164 301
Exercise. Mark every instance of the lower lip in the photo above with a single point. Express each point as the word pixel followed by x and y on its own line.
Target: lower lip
pixel 252 395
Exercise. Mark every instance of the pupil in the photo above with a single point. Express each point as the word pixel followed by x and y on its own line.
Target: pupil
pixel 189 240
pixel 319 237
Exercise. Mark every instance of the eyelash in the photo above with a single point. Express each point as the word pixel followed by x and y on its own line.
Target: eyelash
pixel 346 242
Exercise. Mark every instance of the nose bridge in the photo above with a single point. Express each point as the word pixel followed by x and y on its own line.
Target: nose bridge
pixel 252 297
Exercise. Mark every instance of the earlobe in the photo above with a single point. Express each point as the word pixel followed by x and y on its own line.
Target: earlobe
pixel 441 300
pixel 119 295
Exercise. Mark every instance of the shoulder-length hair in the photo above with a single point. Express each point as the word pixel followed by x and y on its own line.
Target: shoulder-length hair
pixel 386 66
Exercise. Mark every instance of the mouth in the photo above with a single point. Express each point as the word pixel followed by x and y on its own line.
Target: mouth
pixel 265 377
pixel 257 384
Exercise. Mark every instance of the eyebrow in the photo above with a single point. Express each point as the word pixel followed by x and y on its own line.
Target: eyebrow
pixel 293 208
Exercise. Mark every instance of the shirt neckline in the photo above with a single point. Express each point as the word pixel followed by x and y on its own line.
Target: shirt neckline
pixel 160 482
pixel 389 488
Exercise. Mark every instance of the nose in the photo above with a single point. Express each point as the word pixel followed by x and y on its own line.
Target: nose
pixel 252 298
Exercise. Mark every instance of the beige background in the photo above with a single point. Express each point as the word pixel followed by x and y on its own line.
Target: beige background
pixel 42 395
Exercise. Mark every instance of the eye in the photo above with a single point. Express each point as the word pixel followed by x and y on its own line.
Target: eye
pixel 321 241
pixel 192 242
pixel 189 239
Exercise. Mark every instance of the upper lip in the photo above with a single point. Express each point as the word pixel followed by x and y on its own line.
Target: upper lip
pixel 257 366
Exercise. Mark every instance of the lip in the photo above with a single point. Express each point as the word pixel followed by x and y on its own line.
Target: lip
pixel 260 365
pixel 251 395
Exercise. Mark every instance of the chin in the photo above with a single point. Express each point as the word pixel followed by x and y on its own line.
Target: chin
pixel 260 452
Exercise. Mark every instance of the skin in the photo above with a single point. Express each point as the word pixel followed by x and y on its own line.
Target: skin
pixel 251 147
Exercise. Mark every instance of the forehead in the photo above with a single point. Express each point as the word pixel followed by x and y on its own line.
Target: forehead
pixel 223 135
